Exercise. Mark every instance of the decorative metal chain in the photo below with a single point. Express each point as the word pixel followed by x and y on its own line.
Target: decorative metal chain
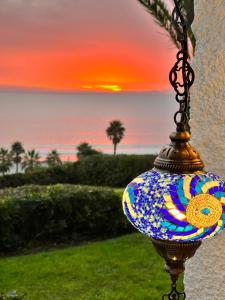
pixel 182 75
pixel 174 294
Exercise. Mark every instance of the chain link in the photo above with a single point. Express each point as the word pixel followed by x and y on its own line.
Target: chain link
pixel 182 75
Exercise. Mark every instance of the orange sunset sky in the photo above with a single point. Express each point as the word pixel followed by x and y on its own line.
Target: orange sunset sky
pixel 85 45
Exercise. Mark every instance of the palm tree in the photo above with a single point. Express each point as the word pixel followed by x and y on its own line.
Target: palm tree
pixel 163 18
pixel 31 160
pixel 115 133
pixel 5 161
pixel 16 151
pixel 53 158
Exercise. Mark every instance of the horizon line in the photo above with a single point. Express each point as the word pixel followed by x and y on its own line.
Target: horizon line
pixel 25 89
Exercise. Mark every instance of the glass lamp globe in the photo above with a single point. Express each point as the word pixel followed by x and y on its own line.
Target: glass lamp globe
pixel 173 205
pixel 176 207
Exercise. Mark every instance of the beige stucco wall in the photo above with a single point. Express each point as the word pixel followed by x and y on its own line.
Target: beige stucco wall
pixel 205 273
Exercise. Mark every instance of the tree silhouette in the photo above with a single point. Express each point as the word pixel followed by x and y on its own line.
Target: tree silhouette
pixel 16 151
pixel 115 133
pixel 85 149
pixel 163 18
pixel 31 160
pixel 5 161
pixel 53 158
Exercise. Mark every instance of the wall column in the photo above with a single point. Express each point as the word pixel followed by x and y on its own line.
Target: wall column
pixel 205 273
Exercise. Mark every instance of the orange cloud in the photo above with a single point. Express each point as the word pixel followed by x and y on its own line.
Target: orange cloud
pixel 110 47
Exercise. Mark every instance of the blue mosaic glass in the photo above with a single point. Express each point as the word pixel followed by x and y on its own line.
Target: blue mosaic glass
pixel 176 207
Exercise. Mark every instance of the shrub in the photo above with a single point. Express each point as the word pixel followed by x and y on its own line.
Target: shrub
pixel 103 170
pixel 35 215
pixel 112 170
pixel 42 176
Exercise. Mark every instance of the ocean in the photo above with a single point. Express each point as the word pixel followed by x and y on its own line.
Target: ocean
pixel 52 120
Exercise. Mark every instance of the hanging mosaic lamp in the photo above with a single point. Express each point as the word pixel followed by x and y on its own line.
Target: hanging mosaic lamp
pixel 177 204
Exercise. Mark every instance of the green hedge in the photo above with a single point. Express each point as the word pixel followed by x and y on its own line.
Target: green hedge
pixel 35 215
pixel 42 176
pixel 112 170
pixel 103 170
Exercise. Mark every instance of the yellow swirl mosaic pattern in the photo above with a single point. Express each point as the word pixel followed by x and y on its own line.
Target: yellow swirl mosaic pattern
pixel 196 207
pixel 176 207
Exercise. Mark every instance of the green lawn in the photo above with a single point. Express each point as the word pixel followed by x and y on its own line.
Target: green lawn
pixel 122 268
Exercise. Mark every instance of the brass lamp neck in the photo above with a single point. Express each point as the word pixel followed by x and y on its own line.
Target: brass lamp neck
pixel 179 156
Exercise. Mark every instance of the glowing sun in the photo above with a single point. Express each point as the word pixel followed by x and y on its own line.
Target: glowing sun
pixel 103 87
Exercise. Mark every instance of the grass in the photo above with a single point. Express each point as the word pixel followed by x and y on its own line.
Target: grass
pixel 123 268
